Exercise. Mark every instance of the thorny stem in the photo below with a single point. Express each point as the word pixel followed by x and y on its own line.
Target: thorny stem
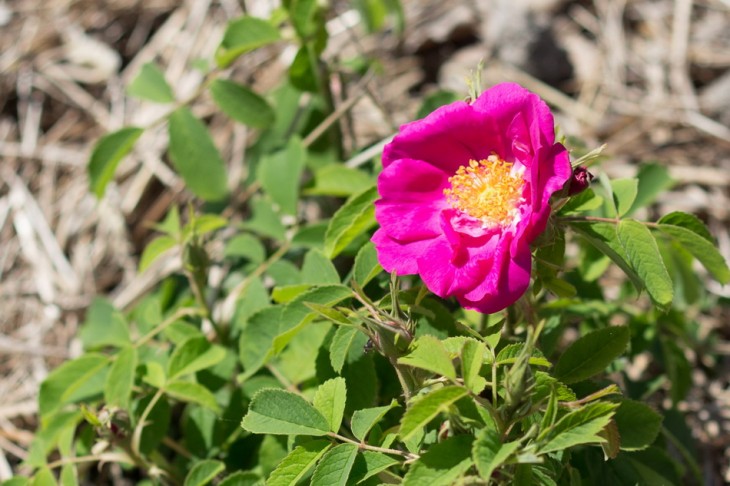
pixel 401 372
pixel 362 445
pixel 204 306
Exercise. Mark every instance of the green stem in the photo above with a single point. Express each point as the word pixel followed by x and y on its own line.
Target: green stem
pixel 198 292
pixel 234 295
pixel 106 457
pixel 495 393
pixel 137 434
pixel 599 219
pixel 362 445
pixel 179 314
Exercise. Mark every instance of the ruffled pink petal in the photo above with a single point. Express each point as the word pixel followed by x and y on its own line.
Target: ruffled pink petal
pixel 411 199
pixel 397 256
pixel 435 268
pixel 408 221
pixel 503 101
pixel 486 269
pixel 447 138
pixel 511 281
pixel 410 180
pixel 457 262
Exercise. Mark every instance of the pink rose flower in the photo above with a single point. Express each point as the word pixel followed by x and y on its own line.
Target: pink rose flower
pixel 463 193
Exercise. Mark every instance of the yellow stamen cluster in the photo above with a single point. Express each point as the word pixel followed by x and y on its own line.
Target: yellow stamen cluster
pixel 488 190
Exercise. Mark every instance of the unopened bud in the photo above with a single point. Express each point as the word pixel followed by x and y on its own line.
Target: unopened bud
pixel 580 181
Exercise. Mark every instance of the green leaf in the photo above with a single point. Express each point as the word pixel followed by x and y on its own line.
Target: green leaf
pixel 150 84
pixel 429 354
pixel 104 326
pixel 73 380
pixel 427 408
pixel 366 265
pixel 297 314
pixel 603 237
pixel 242 104
pixel 580 426
pixel 336 316
pixel 243 35
pixel 257 338
pixel 195 156
pixel 280 412
pixel 678 369
pixel 624 194
pixel 158 423
pixel 355 217
pixel 365 419
pixel 246 246
pixel 590 354
pixel 442 464
pixel 279 175
pixel 298 463
pixel 340 346
pixel 44 477
pixel 203 472
pixel 286 293
pixel 688 221
pixel 339 180
pixel 68 476
pixel 335 466
pixel 653 179
pixel 472 358
pixel 118 387
pixel 171 224
pixel 490 453
pixel 16 481
pixel 303 15
pixel 241 478
pixel 193 355
pixel 188 391
pixel 310 236
pixel 510 353
pixel 318 269
pixel 581 202
pixel 265 221
pixel 106 155
pixel 704 251
pixel 373 12
pixel 368 464
pixel 302 74
pixel 203 224
pixel 330 400
pixel 155 249
pixel 154 374
pixel 643 254
pixel 638 425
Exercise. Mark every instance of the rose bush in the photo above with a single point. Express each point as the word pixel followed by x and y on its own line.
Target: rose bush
pixel 463 193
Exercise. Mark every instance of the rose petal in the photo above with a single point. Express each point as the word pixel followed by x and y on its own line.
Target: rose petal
pixel 398 256
pixel 486 269
pixel 447 138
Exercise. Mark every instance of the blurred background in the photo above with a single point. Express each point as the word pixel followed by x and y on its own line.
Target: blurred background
pixel 649 78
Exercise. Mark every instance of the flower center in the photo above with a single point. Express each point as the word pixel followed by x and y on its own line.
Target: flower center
pixel 489 190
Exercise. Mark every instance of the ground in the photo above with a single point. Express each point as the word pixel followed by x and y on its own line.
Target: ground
pixel 649 78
